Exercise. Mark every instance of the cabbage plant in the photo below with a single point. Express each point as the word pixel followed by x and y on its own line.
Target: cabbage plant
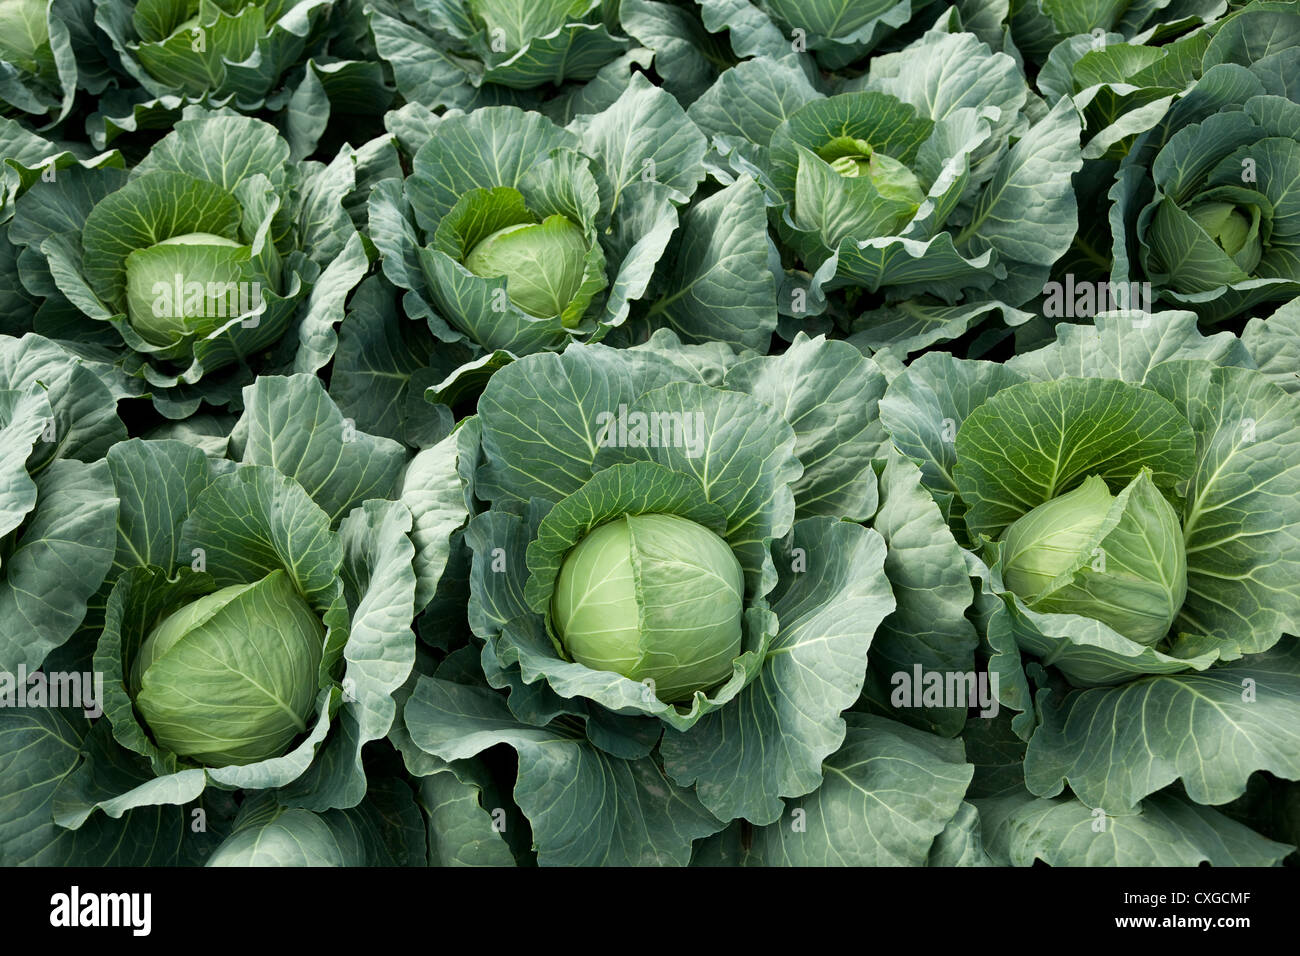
pixel 40 41
pixel 935 179
pixel 1202 200
pixel 1038 27
pixel 201 263
pixel 460 53
pixel 544 237
pixel 255 633
pixel 1124 488
pixel 1122 87
pixel 195 47
pixel 836 32
pixel 686 579
pixel 30 157
pixel 244 54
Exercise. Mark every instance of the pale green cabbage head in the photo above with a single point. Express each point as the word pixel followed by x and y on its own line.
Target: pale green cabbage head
pixel 652 597
pixel 193 285
pixel 1119 559
pixel 857 158
pixel 232 677
pixel 543 263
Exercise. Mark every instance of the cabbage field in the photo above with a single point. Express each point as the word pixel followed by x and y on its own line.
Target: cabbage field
pixel 649 432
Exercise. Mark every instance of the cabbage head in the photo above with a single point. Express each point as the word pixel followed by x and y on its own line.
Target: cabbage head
pixel 231 677
pixel 1116 558
pixel 655 598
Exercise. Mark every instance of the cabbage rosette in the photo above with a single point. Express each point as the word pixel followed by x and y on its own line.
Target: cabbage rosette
pixel 514 235
pixel 268 56
pixel 255 631
pixel 200 264
pixel 913 181
pixel 48 50
pixel 647 601
pixel 246 48
pixel 1125 490
pixel 468 53
pixel 835 32
pixel 1204 202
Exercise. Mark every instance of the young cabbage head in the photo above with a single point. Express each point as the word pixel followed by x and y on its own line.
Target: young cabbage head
pixel 652 597
pixel 870 193
pixel 192 285
pixel 543 263
pixel 856 158
pixel 232 677
pixel 1119 559
pixel 1234 228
